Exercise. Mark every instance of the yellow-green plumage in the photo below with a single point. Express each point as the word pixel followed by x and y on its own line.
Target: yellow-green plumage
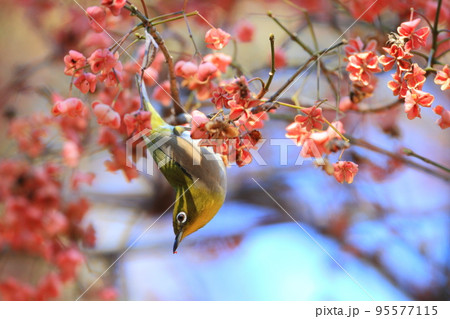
pixel 196 173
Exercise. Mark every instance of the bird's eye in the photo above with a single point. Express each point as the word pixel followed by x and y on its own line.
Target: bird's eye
pixel 181 217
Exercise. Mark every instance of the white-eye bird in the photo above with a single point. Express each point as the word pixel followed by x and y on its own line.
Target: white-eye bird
pixel 197 174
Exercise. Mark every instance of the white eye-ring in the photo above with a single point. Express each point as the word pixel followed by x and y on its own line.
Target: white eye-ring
pixel 181 217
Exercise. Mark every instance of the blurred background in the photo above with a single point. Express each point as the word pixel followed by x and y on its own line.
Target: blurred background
pixel 386 236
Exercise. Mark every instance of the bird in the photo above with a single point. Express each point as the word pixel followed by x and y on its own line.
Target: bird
pixel 197 174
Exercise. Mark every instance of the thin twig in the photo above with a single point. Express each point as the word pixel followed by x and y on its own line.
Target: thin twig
pixel 197 52
pixel 379 109
pixel 301 69
pixel 145 8
pixel 291 79
pixel 435 34
pixel 163 16
pixel 257 79
pixel 206 21
pixel 442 41
pixel 311 29
pixel 135 12
pixel 130 45
pixel 290 34
pixel 403 159
pixel 184 15
pixel 119 43
pixel 443 53
pixel 424 17
pixel 422 55
pixel 308 21
pixel 297 40
pixel 174 92
pixel 235 49
pixel 364 144
pixel 266 86
pixel 410 152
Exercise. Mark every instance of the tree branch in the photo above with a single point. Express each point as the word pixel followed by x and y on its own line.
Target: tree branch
pixel 301 69
pixel 399 157
pixel 266 86
pixel 410 152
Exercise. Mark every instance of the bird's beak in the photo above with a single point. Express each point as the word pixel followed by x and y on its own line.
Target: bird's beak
pixel 178 239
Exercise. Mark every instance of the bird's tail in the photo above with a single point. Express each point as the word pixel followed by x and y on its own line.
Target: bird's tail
pixel 156 119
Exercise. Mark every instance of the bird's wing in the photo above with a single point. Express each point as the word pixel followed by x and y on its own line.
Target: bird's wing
pixel 182 162
pixel 168 160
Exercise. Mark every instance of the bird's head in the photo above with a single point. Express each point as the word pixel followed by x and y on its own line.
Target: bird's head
pixel 181 226
pixel 193 210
